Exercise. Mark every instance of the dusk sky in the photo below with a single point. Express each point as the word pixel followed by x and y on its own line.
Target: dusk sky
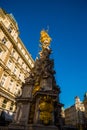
pixel 66 21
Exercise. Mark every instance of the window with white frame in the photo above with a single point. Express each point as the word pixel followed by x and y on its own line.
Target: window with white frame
pixel 20 74
pixel 17 88
pixel 24 65
pixel 10 85
pixel 10 28
pixel 3 80
pixel 13 52
pixel 15 70
pixel 4 40
pixel 9 63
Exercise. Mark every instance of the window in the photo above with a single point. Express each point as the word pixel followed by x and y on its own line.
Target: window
pixel 28 69
pixel 3 79
pixel 30 61
pixel 24 65
pixel 19 45
pixel 4 103
pixel 4 40
pixel 32 65
pixel 10 85
pixel 20 75
pixel 12 104
pixel 13 52
pixel 17 89
pixel 9 63
pixel 26 57
pixel 10 29
pixel 18 58
pixel 23 51
pixel 15 70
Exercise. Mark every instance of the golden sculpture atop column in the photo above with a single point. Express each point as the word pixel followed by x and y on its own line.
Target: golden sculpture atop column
pixel 45 39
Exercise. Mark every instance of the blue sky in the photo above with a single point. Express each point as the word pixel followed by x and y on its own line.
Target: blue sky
pixel 67 23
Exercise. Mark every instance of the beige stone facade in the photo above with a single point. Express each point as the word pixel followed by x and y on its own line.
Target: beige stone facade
pixel 74 115
pixel 85 104
pixel 15 62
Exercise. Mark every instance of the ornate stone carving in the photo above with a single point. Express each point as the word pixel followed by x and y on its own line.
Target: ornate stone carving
pixel 46 109
pixel 30 79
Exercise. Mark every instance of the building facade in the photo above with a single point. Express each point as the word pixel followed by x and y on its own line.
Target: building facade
pixel 85 104
pixel 15 62
pixel 74 115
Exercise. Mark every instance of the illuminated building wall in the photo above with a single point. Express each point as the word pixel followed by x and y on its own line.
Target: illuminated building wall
pixel 15 62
